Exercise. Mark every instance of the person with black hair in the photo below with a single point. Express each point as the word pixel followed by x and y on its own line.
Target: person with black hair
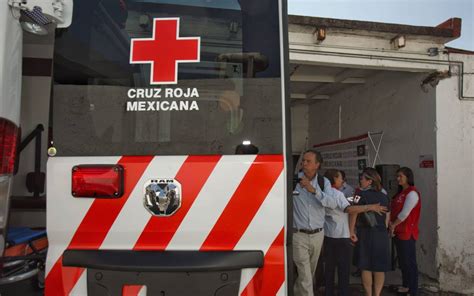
pixel 246 149
pixel 347 189
pixel 337 244
pixel 405 216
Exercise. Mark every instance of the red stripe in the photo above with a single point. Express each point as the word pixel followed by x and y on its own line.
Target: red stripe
pixel 268 279
pixel 95 225
pixel 61 279
pixel 131 290
pixel 245 203
pixel 192 176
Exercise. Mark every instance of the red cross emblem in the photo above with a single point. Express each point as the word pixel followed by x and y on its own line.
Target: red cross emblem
pixel 165 50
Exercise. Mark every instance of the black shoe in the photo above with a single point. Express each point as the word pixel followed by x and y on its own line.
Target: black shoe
pixel 403 293
pixel 397 288
pixel 357 273
pixel 394 288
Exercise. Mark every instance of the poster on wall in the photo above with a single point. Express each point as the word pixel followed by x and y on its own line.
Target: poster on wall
pixel 352 155
pixel 426 161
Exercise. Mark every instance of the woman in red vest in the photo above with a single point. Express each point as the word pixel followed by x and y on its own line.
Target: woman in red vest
pixel 405 214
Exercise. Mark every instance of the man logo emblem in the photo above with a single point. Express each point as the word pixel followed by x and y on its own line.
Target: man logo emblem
pixel 162 197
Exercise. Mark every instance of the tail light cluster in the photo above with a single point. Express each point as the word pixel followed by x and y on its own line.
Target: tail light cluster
pixel 8 145
pixel 103 181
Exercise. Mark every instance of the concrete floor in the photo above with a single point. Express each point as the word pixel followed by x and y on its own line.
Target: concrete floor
pixel 394 278
pixel 28 287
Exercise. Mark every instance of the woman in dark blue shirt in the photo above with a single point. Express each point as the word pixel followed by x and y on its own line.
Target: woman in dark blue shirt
pixel 371 235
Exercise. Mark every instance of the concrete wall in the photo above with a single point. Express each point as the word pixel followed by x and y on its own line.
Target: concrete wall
pixel 299 128
pixel 392 102
pixel 455 150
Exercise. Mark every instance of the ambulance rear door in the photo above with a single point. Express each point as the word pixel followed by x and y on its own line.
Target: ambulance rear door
pixel 167 167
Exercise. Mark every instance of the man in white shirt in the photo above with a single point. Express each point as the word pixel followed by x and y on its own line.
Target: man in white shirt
pixel 347 189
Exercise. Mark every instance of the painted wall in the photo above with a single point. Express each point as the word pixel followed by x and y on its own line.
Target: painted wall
pixel 392 102
pixel 455 150
pixel 299 128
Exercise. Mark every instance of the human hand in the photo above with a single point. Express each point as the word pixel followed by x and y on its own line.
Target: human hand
pixel 354 237
pixel 391 229
pixel 378 208
pixel 306 184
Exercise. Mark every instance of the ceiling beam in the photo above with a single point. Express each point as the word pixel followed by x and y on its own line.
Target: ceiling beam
pixel 320 97
pixel 326 79
pixel 312 78
pixel 327 88
pixel 297 96
pixel 310 74
pixel 345 77
pixel 354 80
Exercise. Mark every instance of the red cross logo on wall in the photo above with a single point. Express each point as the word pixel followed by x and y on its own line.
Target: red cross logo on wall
pixel 165 50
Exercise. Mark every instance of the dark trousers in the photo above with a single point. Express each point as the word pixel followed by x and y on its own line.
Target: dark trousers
pixel 406 250
pixel 337 254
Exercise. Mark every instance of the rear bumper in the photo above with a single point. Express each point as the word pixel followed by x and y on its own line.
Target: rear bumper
pixel 109 272
pixel 166 261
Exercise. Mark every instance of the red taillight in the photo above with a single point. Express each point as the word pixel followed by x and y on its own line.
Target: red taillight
pixel 8 146
pixel 97 181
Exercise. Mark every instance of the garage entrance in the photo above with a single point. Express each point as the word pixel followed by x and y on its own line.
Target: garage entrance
pixel 367 117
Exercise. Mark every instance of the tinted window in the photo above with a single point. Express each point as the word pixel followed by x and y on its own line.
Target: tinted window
pixel 105 105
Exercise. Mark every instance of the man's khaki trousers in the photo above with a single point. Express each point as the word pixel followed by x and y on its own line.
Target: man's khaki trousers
pixel 306 250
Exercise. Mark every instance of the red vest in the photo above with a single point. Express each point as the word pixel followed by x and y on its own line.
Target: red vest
pixel 409 227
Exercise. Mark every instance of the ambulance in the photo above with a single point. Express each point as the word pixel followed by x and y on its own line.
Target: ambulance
pixel 151 186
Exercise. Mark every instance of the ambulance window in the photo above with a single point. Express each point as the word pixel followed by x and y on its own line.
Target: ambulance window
pixel 109 101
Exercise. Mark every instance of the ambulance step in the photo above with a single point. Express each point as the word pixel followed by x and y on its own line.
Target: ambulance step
pixel 28 203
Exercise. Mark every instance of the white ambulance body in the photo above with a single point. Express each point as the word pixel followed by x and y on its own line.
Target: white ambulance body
pixel 17 16
pixel 10 88
pixel 145 195
pixel 14 19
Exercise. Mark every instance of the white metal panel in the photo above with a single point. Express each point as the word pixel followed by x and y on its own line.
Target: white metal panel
pixel 80 286
pixel 212 200
pixel 65 212
pixel 264 227
pixel 123 234
pixel 267 223
pixel 11 37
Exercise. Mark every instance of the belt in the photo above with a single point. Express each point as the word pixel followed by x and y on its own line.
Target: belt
pixel 308 231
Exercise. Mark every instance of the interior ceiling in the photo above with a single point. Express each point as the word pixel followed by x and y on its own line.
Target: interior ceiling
pixel 312 83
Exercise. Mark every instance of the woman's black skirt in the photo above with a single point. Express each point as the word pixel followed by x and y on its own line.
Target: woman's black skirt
pixel 373 250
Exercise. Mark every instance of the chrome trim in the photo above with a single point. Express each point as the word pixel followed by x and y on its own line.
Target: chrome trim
pixel 162 196
pixel 20 277
pixel 13 263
